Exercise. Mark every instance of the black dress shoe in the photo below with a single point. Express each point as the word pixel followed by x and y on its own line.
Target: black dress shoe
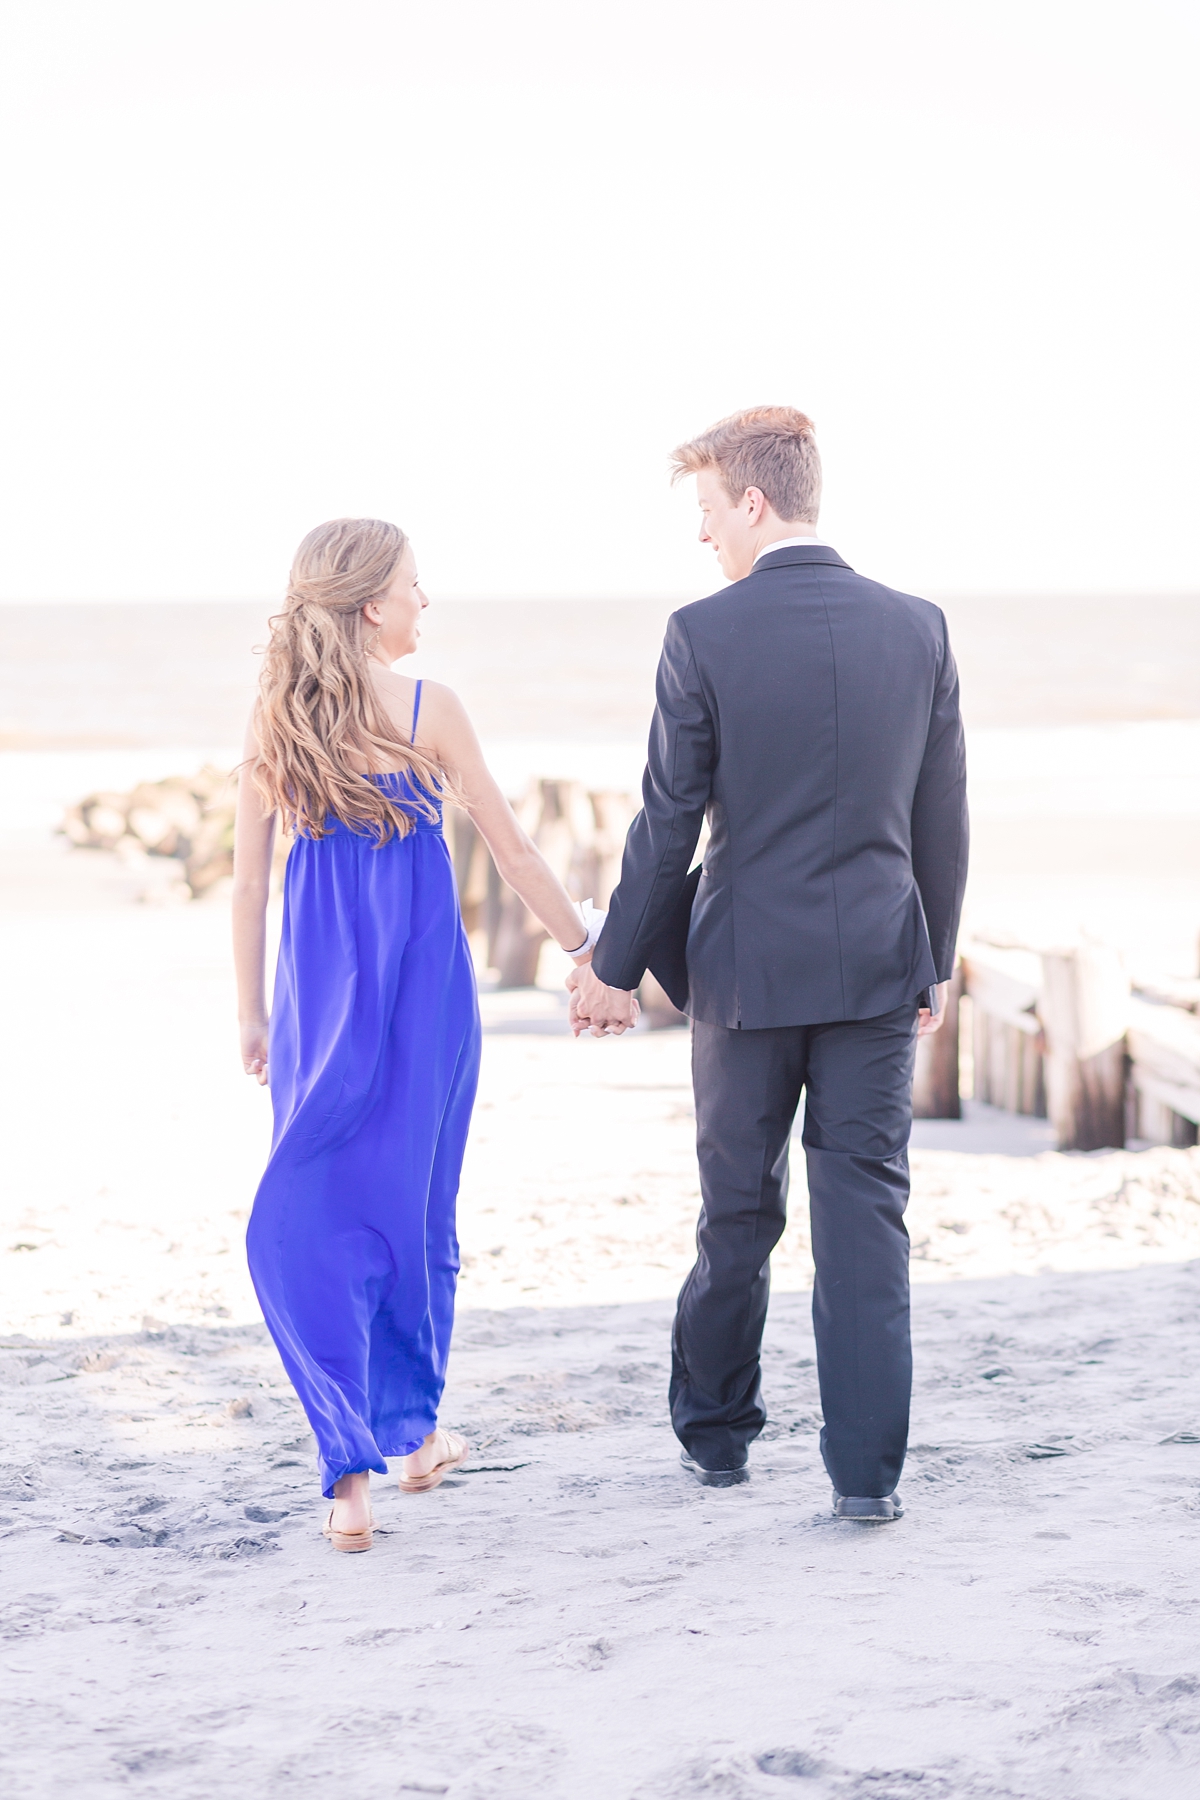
pixel 714 1477
pixel 867 1510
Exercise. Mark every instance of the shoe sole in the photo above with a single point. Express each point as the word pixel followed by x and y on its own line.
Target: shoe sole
pixel 717 1478
pixel 350 1542
pixel 433 1478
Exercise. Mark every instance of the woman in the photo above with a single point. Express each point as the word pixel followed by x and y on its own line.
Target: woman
pixel 374 1034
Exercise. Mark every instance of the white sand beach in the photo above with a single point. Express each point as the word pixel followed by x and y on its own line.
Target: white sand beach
pixel 569 1616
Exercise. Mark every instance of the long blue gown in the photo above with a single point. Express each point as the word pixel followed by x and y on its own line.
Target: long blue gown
pixel 373 1061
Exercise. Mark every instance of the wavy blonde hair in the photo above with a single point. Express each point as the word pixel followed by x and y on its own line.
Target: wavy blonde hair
pixel 318 709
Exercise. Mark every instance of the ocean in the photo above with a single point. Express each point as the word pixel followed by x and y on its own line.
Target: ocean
pixel 93 677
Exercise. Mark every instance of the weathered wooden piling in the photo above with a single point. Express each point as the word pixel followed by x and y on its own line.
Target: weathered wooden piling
pixel 1004 984
pixel 1164 1073
pixel 1049 1036
pixel 1084 1008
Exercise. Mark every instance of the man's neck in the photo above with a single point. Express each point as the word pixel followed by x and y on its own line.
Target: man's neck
pixel 780 533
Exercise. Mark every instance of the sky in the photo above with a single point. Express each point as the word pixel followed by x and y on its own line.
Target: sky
pixel 477 267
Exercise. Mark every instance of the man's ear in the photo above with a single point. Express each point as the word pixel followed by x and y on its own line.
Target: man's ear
pixel 757 503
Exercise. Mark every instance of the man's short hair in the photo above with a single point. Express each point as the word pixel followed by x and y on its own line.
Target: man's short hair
pixel 772 448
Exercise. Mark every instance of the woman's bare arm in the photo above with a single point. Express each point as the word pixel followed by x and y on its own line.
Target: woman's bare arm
pixel 446 733
pixel 254 841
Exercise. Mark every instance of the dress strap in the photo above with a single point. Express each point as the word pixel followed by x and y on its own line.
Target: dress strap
pixel 416 713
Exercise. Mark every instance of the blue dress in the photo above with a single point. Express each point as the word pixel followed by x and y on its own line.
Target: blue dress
pixel 373 1061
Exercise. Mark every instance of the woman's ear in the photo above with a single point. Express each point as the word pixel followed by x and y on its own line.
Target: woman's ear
pixel 372 614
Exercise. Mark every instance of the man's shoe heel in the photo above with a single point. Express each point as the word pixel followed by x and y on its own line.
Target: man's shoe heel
pixel 719 1478
pixel 867 1509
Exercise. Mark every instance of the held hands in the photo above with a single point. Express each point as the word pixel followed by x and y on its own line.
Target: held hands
pixel 254 1050
pixel 602 1010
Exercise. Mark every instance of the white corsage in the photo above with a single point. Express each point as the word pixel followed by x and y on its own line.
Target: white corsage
pixel 592 920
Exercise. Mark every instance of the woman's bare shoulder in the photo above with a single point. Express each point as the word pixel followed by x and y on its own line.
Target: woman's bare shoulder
pixel 437 695
pixel 445 718
pixel 401 690
pixel 397 693
pixel 445 727
pixel 442 719
pixel 392 683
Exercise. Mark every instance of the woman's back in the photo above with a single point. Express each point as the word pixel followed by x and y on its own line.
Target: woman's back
pixel 420 806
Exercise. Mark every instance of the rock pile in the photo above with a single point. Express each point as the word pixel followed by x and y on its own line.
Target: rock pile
pixel 186 817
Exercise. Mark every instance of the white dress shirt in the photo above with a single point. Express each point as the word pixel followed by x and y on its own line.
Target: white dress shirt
pixel 789 544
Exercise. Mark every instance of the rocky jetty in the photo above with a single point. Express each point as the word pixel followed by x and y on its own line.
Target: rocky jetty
pixel 188 818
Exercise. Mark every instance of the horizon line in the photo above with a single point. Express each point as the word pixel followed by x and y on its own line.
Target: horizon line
pixel 937 595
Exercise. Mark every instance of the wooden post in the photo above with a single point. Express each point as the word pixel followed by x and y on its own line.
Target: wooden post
pixel 1033 1084
pixel 1164 1054
pixel 613 815
pixel 559 818
pixel 1004 983
pixel 472 864
pixel 981 1021
pixel 935 1077
pixel 517 943
pixel 493 911
pixel 1084 1008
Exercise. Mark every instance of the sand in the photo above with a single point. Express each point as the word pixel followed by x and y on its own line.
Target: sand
pixel 571 1615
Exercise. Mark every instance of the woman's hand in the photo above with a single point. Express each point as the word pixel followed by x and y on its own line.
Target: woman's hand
pixel 254 1050
pixel 254 839
pixel 602 1010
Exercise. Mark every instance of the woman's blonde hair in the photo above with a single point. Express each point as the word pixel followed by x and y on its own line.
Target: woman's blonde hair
pixel 318 709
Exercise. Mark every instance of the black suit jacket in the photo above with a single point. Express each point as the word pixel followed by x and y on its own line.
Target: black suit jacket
pixel 813 716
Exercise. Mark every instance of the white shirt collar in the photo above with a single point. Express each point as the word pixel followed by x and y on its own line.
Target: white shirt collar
pixel 789 544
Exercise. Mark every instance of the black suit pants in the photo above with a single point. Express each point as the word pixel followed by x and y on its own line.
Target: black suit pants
pixel 857 1079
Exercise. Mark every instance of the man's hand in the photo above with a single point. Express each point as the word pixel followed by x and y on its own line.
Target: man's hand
pixel 596 1008
pixel 929 1022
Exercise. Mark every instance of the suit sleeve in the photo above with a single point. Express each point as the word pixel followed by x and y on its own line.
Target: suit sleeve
pixel 940 833
pixel 663 837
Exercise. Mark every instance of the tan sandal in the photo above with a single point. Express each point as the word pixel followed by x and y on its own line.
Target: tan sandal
pixel 349 1540
pixel 459 1452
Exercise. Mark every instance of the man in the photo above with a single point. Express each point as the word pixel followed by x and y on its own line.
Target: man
pixel 813 716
